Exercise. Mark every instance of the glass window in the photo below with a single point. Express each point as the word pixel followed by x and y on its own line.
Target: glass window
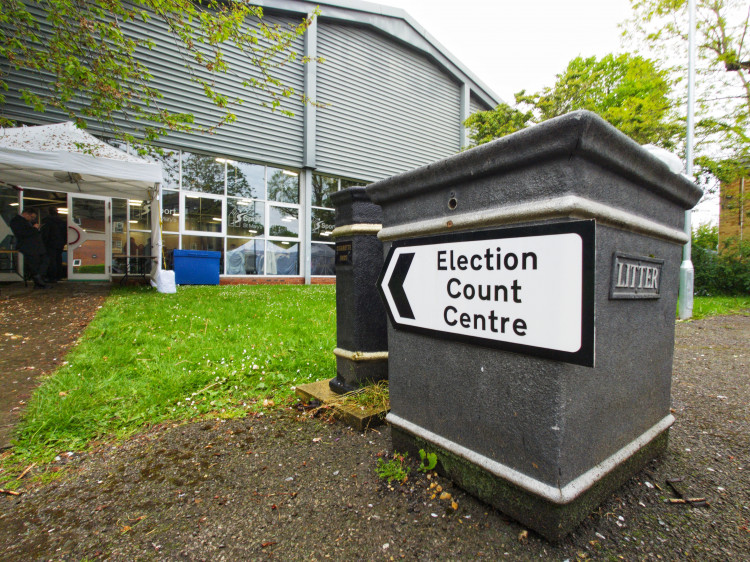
pixel 119 264
pixel 245 256
pixel 282 258
pixel 170 164
pixel 89 215
pixel 323 187
pixel 322 225
pixel 205 243
pixel 170 242
pixel 283 221
pixel 212 243
pixel 119 228
pixel 8 209
pixel 283 185
pixel 202 214
pixel 139 244
pixel 323 260
pixel 246 180
pixel 170 211
pixel 262 202
pixel 245 217
pixel 203 173
pixel 40 200
pixel 89 257
pixel 140 214
pixel 351 183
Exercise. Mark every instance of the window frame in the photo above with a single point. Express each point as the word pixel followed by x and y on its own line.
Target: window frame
pixel 183 213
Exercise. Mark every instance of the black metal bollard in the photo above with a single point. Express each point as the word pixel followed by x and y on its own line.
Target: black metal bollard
pixel 362 341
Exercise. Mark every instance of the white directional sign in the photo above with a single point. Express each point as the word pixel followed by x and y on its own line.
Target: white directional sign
pixel 528 290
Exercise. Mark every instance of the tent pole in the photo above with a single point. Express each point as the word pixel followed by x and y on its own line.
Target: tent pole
pixel 156 244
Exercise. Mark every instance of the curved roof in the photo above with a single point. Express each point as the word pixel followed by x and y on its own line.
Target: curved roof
pixel 394 22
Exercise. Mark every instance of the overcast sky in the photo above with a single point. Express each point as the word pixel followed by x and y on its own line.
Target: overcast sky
pixel 520 44
pixel 513 45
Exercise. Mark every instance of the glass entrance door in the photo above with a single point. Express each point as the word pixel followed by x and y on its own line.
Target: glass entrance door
pixel 89 237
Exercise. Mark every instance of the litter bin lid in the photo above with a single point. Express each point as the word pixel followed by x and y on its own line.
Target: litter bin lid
pixel 196 254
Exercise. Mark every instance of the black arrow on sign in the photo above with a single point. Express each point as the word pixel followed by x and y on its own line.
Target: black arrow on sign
pixel 396 285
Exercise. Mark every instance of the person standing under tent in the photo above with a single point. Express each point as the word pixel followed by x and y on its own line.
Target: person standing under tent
pixel 29 242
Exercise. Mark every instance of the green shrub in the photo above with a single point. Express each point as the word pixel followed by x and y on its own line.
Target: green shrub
pixel 725 272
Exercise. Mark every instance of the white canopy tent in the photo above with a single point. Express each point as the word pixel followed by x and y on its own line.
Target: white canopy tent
pixel 62 157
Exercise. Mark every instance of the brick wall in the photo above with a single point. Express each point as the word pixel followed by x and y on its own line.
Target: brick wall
pixel 734 204
pixel 276 281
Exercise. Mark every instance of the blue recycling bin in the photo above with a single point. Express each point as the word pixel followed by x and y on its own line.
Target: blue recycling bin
pixel 196 267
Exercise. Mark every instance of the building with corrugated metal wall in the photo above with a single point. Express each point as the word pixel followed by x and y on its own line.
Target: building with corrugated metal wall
pixel 391 99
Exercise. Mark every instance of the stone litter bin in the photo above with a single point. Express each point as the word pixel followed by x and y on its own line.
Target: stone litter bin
pixel 531 285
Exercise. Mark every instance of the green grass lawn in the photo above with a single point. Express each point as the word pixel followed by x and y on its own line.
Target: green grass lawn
pixel 220 351
pixel 149 357
pixel 714 306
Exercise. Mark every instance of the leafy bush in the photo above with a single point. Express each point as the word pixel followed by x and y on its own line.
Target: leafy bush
pixel 725 272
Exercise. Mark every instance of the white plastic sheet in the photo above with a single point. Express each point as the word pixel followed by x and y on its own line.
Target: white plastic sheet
pixel 165 281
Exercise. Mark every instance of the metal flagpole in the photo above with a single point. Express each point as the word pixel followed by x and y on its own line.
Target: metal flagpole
pixel 687 274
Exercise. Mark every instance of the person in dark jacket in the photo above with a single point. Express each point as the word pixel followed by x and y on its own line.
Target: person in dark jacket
pixel 29 242
pixel 54 234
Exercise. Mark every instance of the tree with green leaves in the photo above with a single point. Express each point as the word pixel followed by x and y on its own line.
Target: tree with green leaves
pixel 485 126
pixel 722 73
pixel 720 268
pixel 628 91
pixel 87 62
